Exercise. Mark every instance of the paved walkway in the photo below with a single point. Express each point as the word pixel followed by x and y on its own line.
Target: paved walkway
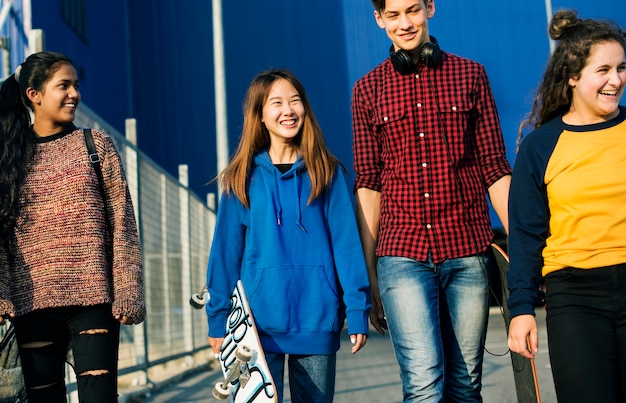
pixel 372 375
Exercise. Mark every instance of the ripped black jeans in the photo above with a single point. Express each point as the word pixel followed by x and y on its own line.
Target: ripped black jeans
pixel 44 338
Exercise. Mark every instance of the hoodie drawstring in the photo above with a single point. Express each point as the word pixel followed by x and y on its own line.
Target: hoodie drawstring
pixel 298 211
pixel 264 162
pixel 277 205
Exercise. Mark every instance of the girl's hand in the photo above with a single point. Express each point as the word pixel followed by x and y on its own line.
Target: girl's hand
pixel 358 342
pixel 122 319
pixel 215 344
pixel 7 316
pixel 523 337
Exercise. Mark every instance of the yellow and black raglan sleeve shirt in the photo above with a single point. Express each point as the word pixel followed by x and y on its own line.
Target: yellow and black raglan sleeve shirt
pixel 567 204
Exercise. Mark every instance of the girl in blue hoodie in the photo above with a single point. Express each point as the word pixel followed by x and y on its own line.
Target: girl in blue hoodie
pixel 286 227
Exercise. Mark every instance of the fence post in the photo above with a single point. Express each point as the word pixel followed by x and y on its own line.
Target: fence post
pixel 167 305
pixel 185 242
pixel 131 167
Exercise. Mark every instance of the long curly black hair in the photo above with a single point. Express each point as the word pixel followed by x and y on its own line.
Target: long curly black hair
pixel 17 140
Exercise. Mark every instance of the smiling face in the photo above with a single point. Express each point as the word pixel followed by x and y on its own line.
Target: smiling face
pixel 55 104
pixel 597 90
pixel 283 113
pixel 406 23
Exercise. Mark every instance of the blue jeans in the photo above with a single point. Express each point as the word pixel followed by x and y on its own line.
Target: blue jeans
pixel 311 377
pixel 437 317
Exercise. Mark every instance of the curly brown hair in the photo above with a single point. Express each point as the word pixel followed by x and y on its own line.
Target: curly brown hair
pixel 576 37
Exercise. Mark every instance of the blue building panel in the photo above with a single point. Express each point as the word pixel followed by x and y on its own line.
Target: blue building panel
pixel 153 61
pixel 99 53
pixel 172 79
pixel 305 37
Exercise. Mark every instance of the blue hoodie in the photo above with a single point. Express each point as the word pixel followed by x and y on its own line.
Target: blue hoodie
pixel 302 266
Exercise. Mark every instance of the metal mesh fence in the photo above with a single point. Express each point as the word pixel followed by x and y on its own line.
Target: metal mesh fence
pixel 176 230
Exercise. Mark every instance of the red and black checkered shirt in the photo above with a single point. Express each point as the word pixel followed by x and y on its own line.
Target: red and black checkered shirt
pixel 431 143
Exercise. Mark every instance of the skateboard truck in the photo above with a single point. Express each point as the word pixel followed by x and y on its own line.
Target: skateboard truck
pixel 199 300
pixel 239 370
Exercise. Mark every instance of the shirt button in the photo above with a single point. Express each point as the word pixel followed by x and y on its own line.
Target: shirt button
pixel 429 226
pixel 424 165
pixel 386 118
pixel 417 76
pixel 454 108
pixel 419 104
pixel 426 194
pixel 421 134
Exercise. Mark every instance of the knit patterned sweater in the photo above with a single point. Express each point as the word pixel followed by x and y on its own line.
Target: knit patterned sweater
pixel 59 254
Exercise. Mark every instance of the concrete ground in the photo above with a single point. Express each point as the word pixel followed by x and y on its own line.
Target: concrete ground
pixel 372 375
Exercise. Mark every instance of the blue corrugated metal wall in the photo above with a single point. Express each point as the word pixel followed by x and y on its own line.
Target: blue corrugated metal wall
pixel 172 71
pixel 153 60
pixel 101 58
pixel 509 38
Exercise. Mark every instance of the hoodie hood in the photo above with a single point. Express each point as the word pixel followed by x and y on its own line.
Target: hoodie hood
pixel 282 182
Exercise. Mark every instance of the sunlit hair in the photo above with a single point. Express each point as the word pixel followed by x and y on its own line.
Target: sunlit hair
pixel 309 143
pixel 17 141
pixel 576 37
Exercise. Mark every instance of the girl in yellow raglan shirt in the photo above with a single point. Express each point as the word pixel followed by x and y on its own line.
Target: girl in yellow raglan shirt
pixel 568 214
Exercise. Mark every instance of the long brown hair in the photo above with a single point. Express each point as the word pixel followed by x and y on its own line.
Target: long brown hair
pixel 310 144
pixel 576 37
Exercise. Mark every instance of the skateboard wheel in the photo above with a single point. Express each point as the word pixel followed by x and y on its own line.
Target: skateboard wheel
pixel 220 391
pixel 197 301
pixel 243 353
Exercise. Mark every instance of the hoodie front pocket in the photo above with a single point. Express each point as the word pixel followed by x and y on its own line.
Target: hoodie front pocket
pixel 292 298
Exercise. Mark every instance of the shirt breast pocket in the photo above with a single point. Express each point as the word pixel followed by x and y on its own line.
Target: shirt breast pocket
pixel 393 130
pixel 456 114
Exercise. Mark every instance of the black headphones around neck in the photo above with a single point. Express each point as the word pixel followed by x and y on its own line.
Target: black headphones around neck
pixel 430 55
